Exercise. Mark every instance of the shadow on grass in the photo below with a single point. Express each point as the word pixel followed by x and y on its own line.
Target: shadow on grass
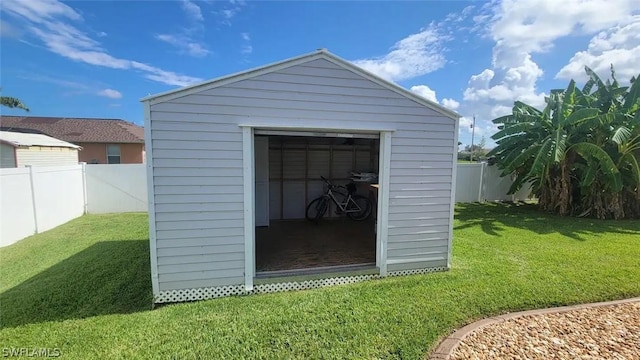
pixel 499 217
pixel 110 277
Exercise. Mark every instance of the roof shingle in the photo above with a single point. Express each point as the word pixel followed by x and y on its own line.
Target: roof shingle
pixel 78 130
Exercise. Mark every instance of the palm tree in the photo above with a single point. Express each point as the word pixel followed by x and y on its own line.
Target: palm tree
pixel 12 102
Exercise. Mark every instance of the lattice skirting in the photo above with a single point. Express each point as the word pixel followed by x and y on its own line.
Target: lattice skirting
pixel 222 291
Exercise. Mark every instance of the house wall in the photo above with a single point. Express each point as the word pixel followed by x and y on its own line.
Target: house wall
pixel 197 167
pixel 129 153
pixel 46 156
pixel 7 156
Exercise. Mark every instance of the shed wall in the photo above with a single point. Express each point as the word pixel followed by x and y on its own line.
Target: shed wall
pixel 7 156
pixel 197 167
pixel 46 156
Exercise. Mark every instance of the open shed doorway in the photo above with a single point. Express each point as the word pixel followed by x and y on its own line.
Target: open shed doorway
pixel 288 171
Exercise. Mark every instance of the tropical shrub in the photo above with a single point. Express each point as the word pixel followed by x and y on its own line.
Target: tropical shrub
pixel 581 153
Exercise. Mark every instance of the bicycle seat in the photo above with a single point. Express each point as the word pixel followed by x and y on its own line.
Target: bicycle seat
pixel 351 188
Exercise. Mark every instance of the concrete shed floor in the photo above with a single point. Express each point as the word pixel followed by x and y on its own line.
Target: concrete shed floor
pixel 301 244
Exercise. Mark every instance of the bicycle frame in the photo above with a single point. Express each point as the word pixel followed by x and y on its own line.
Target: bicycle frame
pixel 343 206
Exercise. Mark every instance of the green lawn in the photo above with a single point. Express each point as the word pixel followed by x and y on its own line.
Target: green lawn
pixel 84 288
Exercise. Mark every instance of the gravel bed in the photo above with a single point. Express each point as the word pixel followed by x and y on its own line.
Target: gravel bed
pixel 603 332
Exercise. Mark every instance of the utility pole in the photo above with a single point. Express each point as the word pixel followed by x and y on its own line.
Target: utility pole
pixel 473 132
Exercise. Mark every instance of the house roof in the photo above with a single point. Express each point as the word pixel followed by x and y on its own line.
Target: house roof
pixel 319 54
pixel 77 130
pixel 17 139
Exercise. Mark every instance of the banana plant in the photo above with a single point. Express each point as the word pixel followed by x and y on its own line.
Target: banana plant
pixel 581 153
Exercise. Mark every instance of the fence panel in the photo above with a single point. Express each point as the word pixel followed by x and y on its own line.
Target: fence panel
pixel 116 188
pixel 17 219
pixel 59 195
pixel 495 188
pixel 36 199
pixel 468 182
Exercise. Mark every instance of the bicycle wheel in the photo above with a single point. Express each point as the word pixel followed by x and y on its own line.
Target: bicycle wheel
pixel 316 209
pixel 364 205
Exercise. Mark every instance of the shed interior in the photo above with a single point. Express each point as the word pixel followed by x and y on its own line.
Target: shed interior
pixel 288 170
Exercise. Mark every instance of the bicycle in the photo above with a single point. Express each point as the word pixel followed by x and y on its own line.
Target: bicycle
pixel 356 207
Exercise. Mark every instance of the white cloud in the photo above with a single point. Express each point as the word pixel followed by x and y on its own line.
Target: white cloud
pixel 110 93
pixel 101 34
pixel 192 10
pixel 73 86
pixel 533 25
pixel 246 47
pixel 163 76
pixel 185 40
pixel 231 11
pixel 417 54
pixel 430 94
pixel 184 44
pixel 450 103
pixel 45 19
pixel 425 92
pixel 522 28
pixel 619 46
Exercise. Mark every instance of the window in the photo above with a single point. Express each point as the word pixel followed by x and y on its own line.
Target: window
pixel 113 154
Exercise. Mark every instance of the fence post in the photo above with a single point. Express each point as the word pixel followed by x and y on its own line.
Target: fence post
pixel 84 186
pixel 33 197
pixel 481 188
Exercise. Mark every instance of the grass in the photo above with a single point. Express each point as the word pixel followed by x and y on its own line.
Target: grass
pixel 84 288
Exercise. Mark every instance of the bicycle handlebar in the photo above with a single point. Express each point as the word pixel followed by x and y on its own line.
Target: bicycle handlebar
pixel 326 181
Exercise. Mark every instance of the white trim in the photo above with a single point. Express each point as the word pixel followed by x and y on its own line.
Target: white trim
pixel 315 134
pixel 391 86
pixel 231 78
pixel 153 251
pixel 248 163
pixel 322 127
pixel 384 168
pixel 320 54
pixel 454 172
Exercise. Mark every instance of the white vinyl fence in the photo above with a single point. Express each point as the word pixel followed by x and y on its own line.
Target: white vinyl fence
pixel 116 188
pixel 480 182
pixel 36 199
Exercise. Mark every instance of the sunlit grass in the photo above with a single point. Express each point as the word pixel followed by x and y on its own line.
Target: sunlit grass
pixel 506 258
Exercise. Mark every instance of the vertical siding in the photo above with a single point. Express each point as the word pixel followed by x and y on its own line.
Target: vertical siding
pixel 46 156
pixel 197 137
pixel 306 163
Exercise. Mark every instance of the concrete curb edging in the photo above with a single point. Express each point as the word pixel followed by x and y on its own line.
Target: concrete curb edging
pixel 447 346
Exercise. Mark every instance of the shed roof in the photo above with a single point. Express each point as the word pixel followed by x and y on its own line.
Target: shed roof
pixel 17 139
pixel 77 130
pixel 319 54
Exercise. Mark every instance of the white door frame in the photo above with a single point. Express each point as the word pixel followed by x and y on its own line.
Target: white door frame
pixel 248 164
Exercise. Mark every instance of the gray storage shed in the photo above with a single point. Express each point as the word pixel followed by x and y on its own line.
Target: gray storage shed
pixel 233 162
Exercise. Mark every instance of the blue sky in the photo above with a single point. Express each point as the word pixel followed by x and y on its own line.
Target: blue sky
pixel 98 58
